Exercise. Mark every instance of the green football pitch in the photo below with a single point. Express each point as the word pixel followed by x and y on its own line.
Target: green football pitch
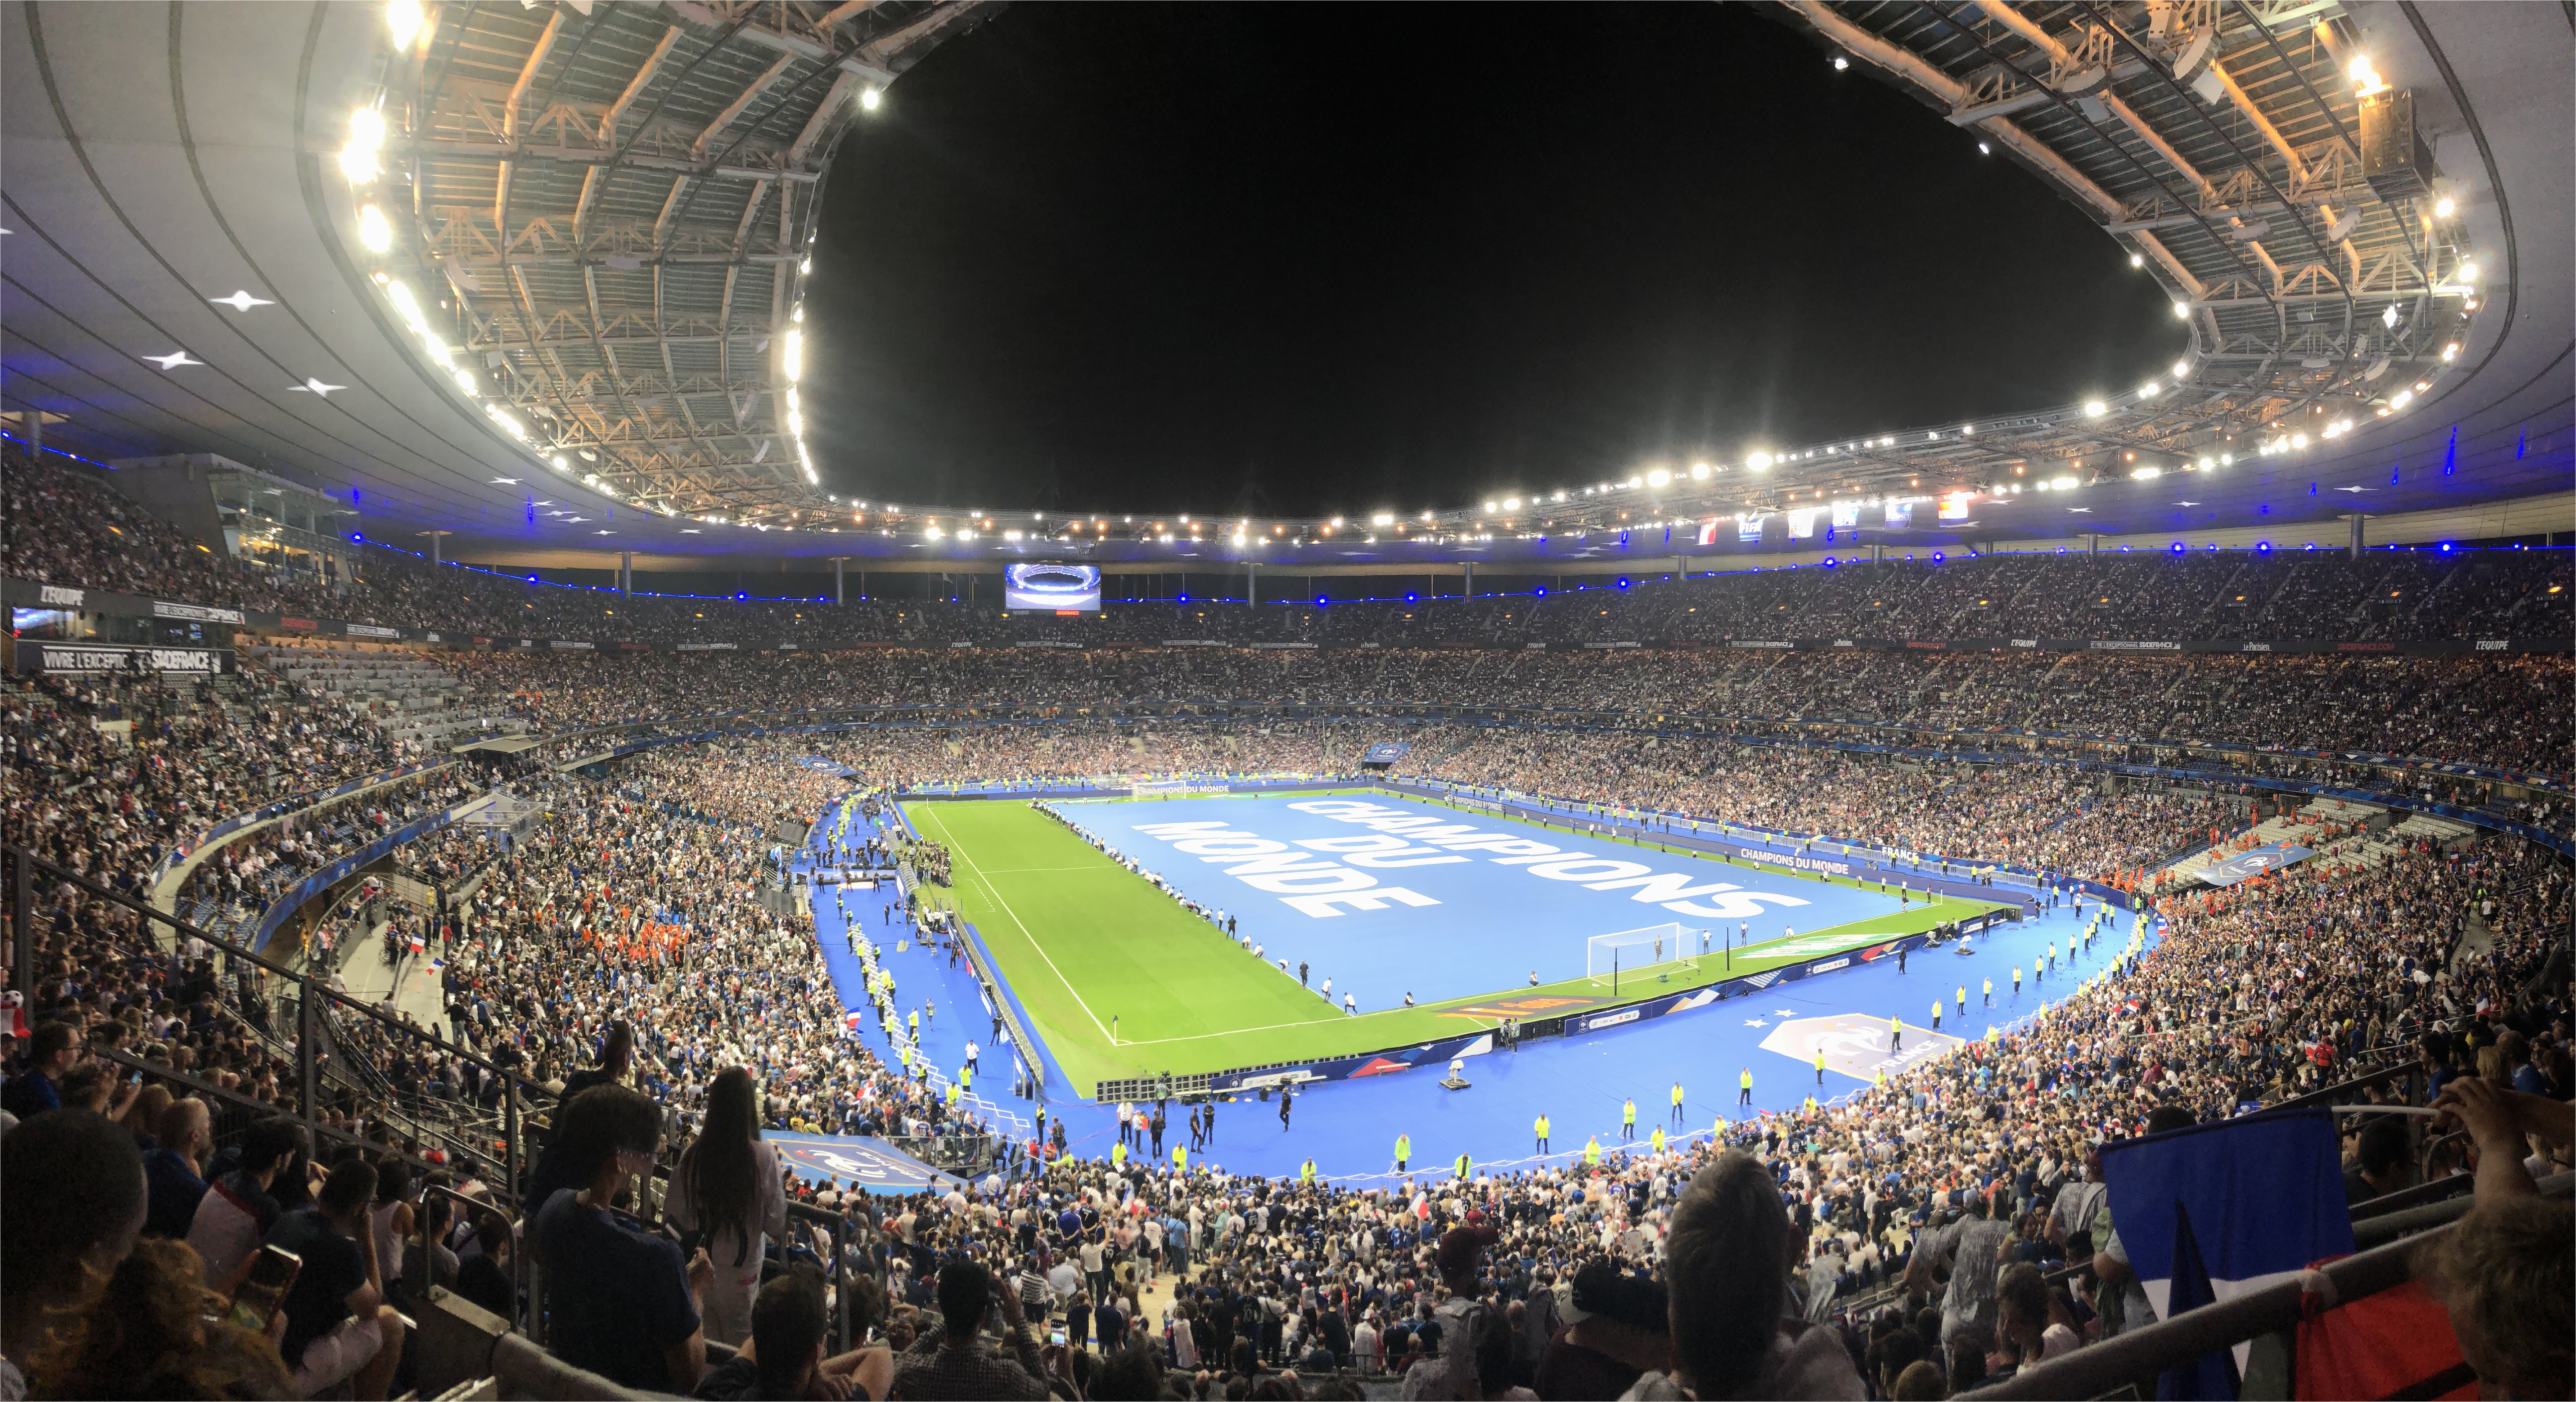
pixel 1121 981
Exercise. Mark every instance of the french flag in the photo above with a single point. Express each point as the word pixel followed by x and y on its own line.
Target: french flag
pixel 2215 1211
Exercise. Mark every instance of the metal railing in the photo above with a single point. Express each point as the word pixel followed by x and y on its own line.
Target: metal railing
pixel 2134 1359
pixel 314 1001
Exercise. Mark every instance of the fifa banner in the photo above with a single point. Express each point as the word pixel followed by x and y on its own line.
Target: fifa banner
pixel 2261 861
pixel 1352 1068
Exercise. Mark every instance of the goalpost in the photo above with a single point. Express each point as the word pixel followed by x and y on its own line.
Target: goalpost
pixel 1654 952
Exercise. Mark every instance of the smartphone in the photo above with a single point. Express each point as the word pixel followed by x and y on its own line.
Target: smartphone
pixel 1056 1337
pixel 271 1275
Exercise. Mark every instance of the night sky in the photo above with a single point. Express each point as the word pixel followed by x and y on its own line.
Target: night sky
pixel 1307 259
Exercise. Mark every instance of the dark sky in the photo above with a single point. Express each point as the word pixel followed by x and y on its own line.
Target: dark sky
pixel 1306 258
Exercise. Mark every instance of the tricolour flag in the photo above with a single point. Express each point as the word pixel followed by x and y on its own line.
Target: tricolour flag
pixel 2216 1211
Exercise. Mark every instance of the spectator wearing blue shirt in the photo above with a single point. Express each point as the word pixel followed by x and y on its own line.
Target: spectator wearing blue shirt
pixel 173 1169
pixel 620 1300
pixel 2527 1075
pixel 51 1053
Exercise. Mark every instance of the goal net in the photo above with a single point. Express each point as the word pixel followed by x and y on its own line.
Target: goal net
pixel 1652 954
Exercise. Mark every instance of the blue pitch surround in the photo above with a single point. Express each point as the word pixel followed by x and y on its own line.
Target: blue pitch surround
pixel 1450 921
pixel 1349 1127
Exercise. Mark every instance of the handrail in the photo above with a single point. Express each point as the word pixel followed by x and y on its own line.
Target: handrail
pixel 2140 1354
pixel 22 868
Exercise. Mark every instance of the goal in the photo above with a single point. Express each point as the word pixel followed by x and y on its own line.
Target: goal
pixel 1652 954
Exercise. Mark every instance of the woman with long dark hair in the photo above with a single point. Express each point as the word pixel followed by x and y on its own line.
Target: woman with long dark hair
pixel 728 1189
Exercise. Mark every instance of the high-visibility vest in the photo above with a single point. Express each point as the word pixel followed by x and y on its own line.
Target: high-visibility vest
pixel 1658 1139
pixel 1180 1157
pixel 1403 1147
pixel 1746 1080
pixel 1307 1173
pixel 1118 1154
pixel 1542 1126
pixel 1677 1092
pixel 1629 1114
pixel 1592 1152
pixel 1462 1168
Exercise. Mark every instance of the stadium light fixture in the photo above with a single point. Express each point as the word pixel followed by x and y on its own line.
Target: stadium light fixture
pixel 373 231
pixel 2466 272
pixel 2182 311
pixel 2137 260
pixel 2150 389
pixel 366 136
pixel 870 98
pixel 2366 81
pixel 403 20
pixel 1984 150
pixel 2443 208
pixel 1759 462
pixel 2095 408
pixel 1841 63
pixel 1658 477
pixel 1699 473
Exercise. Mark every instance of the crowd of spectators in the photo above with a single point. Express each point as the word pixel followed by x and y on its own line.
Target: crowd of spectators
pixel 2500 712
pixel 631 958
pixel 96 538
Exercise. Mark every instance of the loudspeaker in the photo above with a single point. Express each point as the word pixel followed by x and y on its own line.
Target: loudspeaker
pixel 2394 159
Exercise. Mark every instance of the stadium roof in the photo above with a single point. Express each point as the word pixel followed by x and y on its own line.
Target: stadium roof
pixel 570 320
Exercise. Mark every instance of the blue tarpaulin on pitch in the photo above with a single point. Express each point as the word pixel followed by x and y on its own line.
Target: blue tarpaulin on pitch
pixel 2271 857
